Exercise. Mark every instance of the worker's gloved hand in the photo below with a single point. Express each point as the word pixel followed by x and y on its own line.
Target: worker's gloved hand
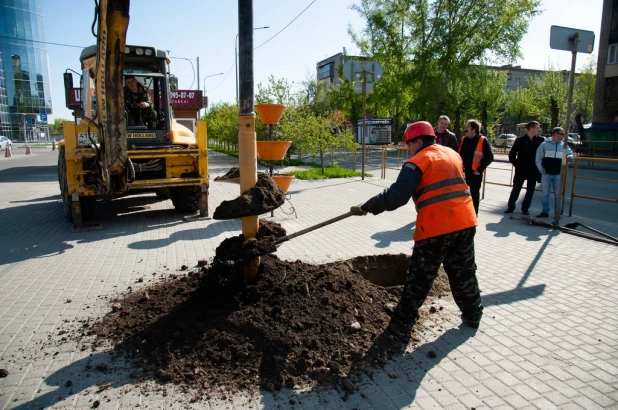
pixel 357 210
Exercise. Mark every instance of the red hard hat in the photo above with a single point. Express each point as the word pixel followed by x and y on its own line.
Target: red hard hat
pixel 418 129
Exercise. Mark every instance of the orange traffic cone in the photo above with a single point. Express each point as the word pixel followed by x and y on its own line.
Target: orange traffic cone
pixel 53 145
pixel 28 150
pixel 7 153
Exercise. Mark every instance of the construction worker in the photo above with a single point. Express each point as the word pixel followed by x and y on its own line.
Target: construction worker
pixel 445 224
pixel 138 106
pixel 476 154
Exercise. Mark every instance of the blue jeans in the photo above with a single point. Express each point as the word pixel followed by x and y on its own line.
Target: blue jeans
pixel 550 182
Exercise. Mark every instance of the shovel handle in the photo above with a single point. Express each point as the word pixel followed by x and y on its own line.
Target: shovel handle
pixel 312 228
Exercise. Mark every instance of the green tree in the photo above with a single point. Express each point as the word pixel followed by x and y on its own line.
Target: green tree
pixel 487 94
pixel 432 42
pixel 222 120
pixel 56 127
pixel 520 106
pixel 550 94
pixel 583 90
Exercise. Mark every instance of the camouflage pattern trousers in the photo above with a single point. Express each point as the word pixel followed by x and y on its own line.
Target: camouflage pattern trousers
pixel 456 251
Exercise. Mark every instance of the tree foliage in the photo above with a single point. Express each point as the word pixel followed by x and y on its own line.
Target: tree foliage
pixel 56 127
pixel 520 106
pixel 425 47
pixel 549 91
pixel 222 123
pixel 583 90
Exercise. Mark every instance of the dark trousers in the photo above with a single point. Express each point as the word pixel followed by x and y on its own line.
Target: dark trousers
pixel 474 182
pixel 517 184
pixel 456 251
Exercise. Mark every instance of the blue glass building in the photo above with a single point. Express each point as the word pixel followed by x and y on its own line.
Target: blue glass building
pixel 25 90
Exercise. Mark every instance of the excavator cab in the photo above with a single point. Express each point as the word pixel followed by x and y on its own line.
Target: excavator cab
pixel 147 99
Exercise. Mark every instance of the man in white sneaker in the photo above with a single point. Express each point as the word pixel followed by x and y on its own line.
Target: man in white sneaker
pixel 549 163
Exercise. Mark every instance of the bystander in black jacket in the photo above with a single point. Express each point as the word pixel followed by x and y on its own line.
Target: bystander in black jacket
pixel 446 138
pixel 522 156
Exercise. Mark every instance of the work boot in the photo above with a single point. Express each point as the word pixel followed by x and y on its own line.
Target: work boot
pixel 543 215
pixel 509 210
pixel 525 212
pixel 406 316
pixel 473 321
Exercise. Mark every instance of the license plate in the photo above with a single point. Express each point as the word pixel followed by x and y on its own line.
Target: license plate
pixel 142 135
pixel 82 138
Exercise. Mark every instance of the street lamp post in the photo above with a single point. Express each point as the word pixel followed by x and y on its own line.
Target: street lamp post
pixel 236 59
pixel 212 75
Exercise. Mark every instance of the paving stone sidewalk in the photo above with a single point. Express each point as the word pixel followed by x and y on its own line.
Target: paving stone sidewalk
pixel 548 340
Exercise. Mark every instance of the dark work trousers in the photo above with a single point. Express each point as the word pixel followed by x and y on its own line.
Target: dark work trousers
pixel 456 251
pixel 517 184
pixel 474 182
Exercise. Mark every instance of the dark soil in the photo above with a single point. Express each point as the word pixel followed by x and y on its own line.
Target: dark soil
pixel 233 173
pixel 297 325
pixel 264 197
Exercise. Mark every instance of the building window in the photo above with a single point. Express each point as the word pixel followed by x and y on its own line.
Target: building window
pixel 508 89
pixel 325 71
pixel 612 54
pixel 517 81
pixel 508 76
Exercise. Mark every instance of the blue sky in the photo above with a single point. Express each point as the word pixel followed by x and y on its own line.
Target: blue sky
pixel 207 29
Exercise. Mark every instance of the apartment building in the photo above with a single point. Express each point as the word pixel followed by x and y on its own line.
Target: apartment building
pixel 606 93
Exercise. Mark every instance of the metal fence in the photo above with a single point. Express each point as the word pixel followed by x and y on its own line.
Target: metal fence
pixel 575 177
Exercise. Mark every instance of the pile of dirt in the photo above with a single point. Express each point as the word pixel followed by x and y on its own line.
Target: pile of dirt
pixel 297 325
pixel 264 197
pixel 233 173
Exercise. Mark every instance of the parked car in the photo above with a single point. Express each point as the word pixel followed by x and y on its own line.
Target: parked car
pixel 504 140
pixel 574 143
pixel 4 142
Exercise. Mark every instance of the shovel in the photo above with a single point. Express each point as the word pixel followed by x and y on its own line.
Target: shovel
pixel 312 228
pixel 253 264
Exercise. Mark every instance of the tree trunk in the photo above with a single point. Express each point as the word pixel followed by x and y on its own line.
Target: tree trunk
pixel 457 129
pixel 554 113
pixel 322 161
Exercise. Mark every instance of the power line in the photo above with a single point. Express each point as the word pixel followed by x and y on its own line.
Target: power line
pixel 44 42
pixel 276 34
pixel 222 81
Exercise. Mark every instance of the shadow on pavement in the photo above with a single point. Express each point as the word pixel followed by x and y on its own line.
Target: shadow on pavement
pixel 385 238
pixel 503 230
pixel 22 226
pixel 30 174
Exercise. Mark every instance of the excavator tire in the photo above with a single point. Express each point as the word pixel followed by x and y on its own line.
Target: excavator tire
pixel 163 193
pixel 62 181
pixel 88 204
pixel 186 198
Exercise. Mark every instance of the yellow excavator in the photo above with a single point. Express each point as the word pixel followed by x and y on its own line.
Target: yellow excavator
pixel 116 149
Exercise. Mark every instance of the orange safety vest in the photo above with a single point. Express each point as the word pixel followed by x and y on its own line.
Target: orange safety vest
pixel 442 199
pixel 478 152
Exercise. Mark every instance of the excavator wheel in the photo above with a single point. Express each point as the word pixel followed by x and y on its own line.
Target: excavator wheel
pixel 163 193
pixel 186 198
pixel 62 181
pixel 87 204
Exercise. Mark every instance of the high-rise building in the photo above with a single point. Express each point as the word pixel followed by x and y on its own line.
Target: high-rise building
pixel 606 93
pixel 25 90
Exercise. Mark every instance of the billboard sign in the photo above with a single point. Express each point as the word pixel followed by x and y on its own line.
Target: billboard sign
pixel 379 131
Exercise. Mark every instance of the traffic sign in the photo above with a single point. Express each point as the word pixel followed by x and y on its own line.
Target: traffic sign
pixel 561 38
pixel 43 117
pixel 358 88
pixel 352 70
pixel 375 68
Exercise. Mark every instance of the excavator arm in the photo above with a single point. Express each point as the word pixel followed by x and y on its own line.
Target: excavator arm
pixel 113 18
